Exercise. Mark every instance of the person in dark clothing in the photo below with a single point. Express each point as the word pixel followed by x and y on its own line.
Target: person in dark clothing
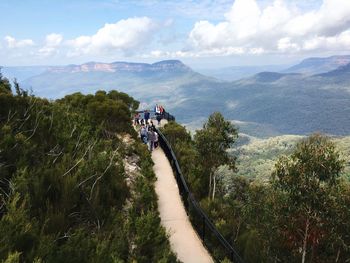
pixel 146 116
pixel 137 119
pixel 159 118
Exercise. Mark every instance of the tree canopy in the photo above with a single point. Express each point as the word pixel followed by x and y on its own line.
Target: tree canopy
pixel 212 143
pixel 299 215
pixel 65 195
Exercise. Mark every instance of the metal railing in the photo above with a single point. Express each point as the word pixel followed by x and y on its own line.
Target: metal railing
pixel 205 228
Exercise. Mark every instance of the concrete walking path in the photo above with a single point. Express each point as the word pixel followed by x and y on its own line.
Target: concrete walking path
pixel 184 240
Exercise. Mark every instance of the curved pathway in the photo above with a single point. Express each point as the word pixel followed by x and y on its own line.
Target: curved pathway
pixel 184 240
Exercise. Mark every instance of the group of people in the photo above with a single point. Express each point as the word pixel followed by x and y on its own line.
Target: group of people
pixel 149 135
pixel 159 109
pixel 148 131
pixel 138 120
pixel 143 120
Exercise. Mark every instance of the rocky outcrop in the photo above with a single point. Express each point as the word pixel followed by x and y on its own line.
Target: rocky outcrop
pixel 162 66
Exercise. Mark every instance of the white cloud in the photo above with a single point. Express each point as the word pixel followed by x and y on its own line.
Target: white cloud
pixel 204 53
pixel 52 44
pixel 53 40
pixel 285 44
pixel 13 43
pixel 339 42
pixel 278 27
pixel 126 35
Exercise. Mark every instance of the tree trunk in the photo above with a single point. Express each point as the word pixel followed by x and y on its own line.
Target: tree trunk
pixel 305 239
pixel 238 229
pixel 214 186
pixel 338 254
pixel 210 179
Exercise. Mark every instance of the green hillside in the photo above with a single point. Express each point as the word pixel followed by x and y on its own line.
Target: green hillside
pixel 256 158
pixel 67 190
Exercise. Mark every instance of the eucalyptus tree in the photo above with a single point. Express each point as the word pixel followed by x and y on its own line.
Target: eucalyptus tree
pixel 308 179
pixel 212 143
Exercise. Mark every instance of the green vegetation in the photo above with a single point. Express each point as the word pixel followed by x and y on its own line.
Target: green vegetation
pixel 66 194
pixel 212 143
pixel 201 158
pixel 298 214
pixel 256 157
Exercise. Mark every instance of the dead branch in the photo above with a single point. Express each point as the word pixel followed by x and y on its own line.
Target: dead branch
pixel 31 105
pixel 10 116
pixel 37 121
pixel 51 121
pixel 74 128
pixel 92 176
pixel 104 172
pixel 23 122
pixel 89 148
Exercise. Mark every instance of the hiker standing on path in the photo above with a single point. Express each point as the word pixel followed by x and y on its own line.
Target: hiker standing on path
pixel 137 119
pixel 152 126
pixel 143 134
pixel 157 109
pixel 156 143
pixel 159 118
pixel 151 138
pixel 146 116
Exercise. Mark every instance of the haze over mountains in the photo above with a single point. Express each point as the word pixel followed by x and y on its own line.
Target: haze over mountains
pixel 239 72
pixel 311 96
pixel 313 66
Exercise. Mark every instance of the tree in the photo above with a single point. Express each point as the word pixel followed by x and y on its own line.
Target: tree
pixel 175 133
pixel 5 86
pixel 64 193
pixel 212 143
pixel 187 155
pixel 307 178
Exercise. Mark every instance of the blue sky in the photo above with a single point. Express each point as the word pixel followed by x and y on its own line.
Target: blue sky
pixel 204 33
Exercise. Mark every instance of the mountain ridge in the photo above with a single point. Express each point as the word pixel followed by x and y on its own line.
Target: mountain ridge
pixel 121 66
pixel 319 65
pixel 345 69
pixel 284 103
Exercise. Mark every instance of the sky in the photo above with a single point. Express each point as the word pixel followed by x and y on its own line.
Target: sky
pixel 203 34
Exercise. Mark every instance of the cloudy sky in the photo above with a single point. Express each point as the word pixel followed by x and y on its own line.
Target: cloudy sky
pixel 207 33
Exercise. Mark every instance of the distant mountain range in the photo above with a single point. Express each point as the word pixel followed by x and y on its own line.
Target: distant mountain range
pixel 239 72
pixel 312 66
pixel 144 81
pixel 24 72
pixel 122 67
pixel 263 105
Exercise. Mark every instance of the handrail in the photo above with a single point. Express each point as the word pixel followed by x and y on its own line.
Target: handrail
pixel 189 200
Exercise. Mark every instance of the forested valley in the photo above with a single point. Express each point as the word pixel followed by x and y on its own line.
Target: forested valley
pixel 300 214
pixel 66 192
pixel 76 185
